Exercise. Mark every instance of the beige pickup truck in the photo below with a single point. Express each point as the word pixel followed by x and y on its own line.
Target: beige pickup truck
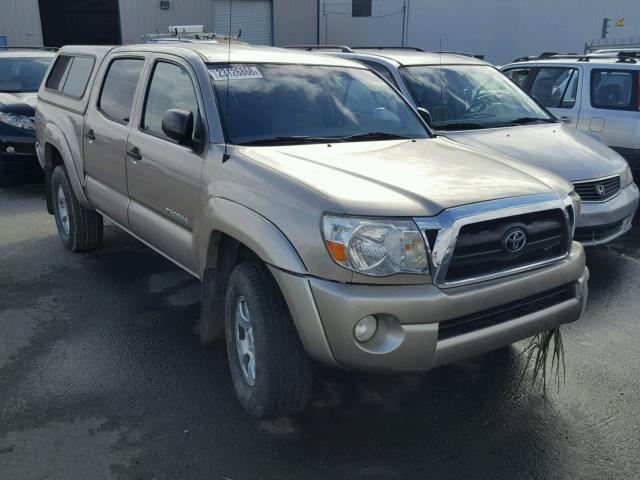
pixel 326 223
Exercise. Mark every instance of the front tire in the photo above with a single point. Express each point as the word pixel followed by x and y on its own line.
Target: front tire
pixel 80 229
pixel 271 372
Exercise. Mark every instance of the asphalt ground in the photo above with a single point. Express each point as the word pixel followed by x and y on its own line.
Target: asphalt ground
pixel 102 377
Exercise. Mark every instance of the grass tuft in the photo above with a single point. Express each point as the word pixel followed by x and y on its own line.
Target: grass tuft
pixel 538 350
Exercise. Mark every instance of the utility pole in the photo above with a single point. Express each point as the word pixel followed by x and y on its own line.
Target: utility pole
pixel 605 27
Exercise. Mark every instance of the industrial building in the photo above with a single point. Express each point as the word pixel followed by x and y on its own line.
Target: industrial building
pixel 500 30
pixel 55 23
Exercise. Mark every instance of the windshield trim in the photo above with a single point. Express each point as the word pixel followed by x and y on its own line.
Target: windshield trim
pixel 439 130
pixel 428 130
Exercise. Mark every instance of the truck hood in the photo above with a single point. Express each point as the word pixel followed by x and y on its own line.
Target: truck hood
pixel 7 99
pixel 404 177
pixel 555 147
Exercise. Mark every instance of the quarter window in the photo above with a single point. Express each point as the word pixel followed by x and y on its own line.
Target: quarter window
pixel 555 87
pixel 170 87
pixel 612 89
pixel 70 75
pixel 119 88
pixel 57 75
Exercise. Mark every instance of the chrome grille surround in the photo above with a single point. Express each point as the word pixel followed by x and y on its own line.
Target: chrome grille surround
pixel 449 222
pixel 587 189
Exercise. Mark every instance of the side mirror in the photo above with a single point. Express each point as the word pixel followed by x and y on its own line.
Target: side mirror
pixel 426 116
pixel 178 125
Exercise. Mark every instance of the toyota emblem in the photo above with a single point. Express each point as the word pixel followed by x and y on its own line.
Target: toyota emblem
pixel 514 241
pixel 600 190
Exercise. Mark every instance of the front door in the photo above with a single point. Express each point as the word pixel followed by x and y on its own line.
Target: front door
pixel 558 89
pixel 165 177
pixel 105 132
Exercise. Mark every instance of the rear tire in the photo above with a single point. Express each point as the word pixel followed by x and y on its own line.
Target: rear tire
pixel 80 229
pixel 271 372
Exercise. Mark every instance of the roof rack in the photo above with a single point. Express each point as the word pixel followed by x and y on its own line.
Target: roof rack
pixel 194 32
pixel 551 55
pixel 413 49
pixel 311 48
pixel 464 54
pixel 623 57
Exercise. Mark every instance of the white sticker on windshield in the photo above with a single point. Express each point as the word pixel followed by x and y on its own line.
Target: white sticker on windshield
pixel 235 73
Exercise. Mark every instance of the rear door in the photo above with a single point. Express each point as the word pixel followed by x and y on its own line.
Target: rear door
pixel 612 105
pixel 106 130
pixel 164 177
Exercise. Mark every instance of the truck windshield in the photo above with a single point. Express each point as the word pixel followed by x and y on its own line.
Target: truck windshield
pixel 269 104
pixel 462 97
pixel 21 75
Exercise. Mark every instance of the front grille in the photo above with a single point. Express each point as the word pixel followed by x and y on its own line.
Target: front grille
pixel 594 234
pixel 505 313
pixel 598 190
pixel 480 248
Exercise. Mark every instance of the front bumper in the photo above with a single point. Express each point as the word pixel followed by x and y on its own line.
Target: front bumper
pixel 18 157
pixel 409 337
pixel 602 222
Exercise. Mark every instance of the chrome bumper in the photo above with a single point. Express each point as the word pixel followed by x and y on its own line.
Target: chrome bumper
pixel 619 209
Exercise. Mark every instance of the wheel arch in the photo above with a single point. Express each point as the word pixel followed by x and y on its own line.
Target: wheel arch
pixel 233 235
pixel 58 152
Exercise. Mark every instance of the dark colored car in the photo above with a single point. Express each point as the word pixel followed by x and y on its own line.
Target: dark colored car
pixel 21 72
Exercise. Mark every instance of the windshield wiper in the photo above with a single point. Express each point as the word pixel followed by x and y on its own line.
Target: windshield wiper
pixel 460 126
pixel 289 140
pixel 529 120
pixel 374 136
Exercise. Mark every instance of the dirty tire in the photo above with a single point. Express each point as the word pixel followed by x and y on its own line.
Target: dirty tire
pixel 283 372
pixel 80 229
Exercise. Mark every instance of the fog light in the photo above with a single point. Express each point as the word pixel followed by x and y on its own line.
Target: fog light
pixel 366 329
pixel 10 150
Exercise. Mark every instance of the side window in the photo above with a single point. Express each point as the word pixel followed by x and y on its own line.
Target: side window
pixel 57 75
pixel 382 70
pixel 78 76
pixel 555 87
pixel 170 87
pixel 518 75
pixel 612 89
pixel 119 88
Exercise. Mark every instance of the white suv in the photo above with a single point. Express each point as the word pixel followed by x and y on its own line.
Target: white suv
pixel 597 94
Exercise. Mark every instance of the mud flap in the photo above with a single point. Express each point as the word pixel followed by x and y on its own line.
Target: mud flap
pixel 212 309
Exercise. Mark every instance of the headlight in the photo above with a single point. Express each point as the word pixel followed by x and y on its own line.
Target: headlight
pixel 576 202
pixel 18 121
pixel 376 247
pixel 626 178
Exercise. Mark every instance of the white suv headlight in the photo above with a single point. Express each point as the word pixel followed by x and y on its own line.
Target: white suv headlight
pixel 18 121
pixel 376 247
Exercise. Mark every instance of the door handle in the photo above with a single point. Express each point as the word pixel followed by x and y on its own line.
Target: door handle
pixel 134 153
pixel 566 119
pixel 90 135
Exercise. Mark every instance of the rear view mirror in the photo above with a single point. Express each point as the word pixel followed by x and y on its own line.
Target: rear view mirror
pixel 426 116
pixel 178 125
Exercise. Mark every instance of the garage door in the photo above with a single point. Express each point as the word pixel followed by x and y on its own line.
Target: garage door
pixel 253 17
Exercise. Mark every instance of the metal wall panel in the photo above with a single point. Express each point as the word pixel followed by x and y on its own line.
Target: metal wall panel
pixel 295 22
pixel 20 23
pixel 138 17
pixel 253 17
